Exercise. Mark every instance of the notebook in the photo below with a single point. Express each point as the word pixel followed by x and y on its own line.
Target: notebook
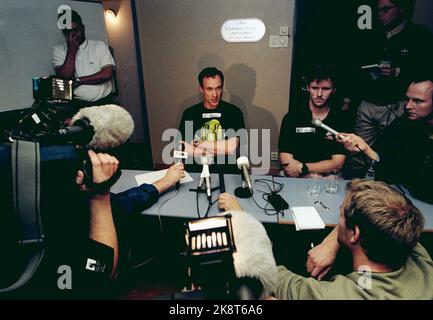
pixel 307 218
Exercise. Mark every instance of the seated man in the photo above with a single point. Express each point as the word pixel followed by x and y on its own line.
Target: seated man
pixel 88 62
pixel 381 228
pixel 211 127
pixel 404 153
pixel 303 148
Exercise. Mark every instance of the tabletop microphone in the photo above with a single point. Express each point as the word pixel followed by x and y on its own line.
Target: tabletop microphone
pixel 244 164
pixel 320 124
pixel 205 176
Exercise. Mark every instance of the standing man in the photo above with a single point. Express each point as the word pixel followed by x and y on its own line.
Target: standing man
pixel 398 47
pixel 88 62
pixel 303 148
pixel 211 126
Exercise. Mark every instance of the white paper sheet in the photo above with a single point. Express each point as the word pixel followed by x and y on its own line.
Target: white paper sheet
pixel 307 218
pixel 151 177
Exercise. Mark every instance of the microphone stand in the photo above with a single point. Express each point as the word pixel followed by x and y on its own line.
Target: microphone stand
pixel 243 192
pixel 202 184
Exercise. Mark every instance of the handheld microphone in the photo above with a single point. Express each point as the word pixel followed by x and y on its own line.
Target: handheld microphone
pixel 320 124
pixel 244 164
pixel 180 156
pixel 100 127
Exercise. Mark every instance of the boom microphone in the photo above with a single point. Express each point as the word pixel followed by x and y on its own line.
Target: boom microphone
pixel 253 258
pixel 320 124
pixel 100 127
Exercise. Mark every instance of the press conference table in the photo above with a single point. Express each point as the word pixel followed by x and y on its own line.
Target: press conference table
pixel 183 204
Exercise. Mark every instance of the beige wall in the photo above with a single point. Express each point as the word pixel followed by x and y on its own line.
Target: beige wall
pixel 121 39
pixel 179 38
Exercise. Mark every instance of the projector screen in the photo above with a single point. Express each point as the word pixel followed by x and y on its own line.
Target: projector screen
pixel 28 33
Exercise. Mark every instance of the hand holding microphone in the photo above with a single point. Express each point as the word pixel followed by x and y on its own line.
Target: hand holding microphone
pixel 351 142
pixel 180 155
pixel 354 143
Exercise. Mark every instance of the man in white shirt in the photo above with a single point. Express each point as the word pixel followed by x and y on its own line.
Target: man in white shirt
pixel 88 62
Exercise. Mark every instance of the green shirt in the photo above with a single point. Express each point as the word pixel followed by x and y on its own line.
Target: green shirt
pixel 413 281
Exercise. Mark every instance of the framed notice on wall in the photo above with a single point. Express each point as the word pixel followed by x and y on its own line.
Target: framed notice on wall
pixel 243 30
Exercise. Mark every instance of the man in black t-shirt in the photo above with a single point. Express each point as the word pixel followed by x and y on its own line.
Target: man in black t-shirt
pixel 303 148
pixel 213 127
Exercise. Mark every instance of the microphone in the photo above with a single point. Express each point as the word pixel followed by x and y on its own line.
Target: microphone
pixel 205 175
pixel 244 164
pixel 253 258
pixel 180 156
pixel 320 124
pixel 98 128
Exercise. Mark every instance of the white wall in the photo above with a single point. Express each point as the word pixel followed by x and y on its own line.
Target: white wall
pixel 121 39
pixel 179 38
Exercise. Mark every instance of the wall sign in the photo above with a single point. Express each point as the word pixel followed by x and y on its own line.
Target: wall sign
pixel 243 30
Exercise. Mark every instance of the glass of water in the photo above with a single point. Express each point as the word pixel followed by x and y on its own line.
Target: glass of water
pixel 331 184
pixel 314 187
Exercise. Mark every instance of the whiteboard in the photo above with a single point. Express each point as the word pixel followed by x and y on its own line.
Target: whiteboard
pixel 28 33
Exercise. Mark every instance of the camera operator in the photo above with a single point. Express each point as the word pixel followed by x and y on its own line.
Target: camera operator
pixel 103 245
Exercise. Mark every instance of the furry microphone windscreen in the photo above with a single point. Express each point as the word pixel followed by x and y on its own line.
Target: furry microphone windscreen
pixel 113 125
pixel 253 257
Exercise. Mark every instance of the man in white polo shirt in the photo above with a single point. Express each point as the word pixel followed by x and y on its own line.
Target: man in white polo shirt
pixel 88 62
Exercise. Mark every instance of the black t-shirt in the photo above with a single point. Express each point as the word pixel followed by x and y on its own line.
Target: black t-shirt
pixel 406 157
pixel 223 122
pixel 308 143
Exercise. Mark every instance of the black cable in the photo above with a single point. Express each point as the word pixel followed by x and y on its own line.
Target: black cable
pixel 211 204
pixel 272 190
pixel 198 209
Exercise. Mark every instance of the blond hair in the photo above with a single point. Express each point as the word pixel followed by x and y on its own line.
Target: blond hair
pixel 390 225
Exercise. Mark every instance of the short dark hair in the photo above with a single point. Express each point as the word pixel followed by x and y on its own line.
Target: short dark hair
pixel 390 225
pixel 75 17
pixel 210 72
pixel 321 71
pixel 407 5
pixel 422 72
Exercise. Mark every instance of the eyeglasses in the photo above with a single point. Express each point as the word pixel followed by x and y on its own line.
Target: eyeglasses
pixel 385 9
pixel 76 29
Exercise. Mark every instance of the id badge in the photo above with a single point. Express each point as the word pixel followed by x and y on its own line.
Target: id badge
pixel 306 130
pixel 211 115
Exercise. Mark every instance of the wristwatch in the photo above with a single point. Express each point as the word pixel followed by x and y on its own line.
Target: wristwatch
pixel 305 169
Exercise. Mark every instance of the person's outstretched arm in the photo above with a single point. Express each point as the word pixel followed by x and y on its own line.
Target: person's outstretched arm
pixel 102 228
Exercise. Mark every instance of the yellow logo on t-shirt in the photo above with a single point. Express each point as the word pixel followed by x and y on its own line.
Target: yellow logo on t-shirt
pixel 212 131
